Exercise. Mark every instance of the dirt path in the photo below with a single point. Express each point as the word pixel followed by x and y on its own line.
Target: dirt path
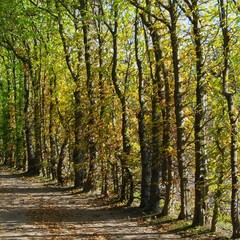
pixel 29 210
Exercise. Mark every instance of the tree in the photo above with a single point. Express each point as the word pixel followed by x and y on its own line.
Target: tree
pixel 157 101
pixel 143 139
pixel 127 178
pixel 90 183
pixel 226 75
pixel 200 207
pixel 179 110
pixel 73 64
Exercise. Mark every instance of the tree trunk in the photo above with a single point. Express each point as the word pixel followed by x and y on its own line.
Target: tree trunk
pixel 36 76
pixel 7 136
pixel 78 153
pixel 217 198
pixel 234 169
pixel 126 144
pixel 200 210
pixel 157 98
pixel 145 162
pixel 233 117
pixel 53 146
pixel 60 161
pixel 220 179
pixel 179 115
pixel 90 182
pixel 167 171
pixel 156 129
pixel 32 168
pixel 18 106
pixel 101 84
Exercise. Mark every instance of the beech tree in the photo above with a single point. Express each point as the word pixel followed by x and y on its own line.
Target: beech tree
pixel 136 98
pixel 142 125
pixel 227 75
pixel 73 64
pixel 84 10
pixel 200 209
pixel 121 93
pixel 179 110
pixel 157 99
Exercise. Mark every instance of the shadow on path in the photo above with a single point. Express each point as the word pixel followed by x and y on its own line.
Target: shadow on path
pixel 30 210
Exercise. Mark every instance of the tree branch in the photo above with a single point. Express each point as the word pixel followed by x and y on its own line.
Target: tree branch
pixel 145 10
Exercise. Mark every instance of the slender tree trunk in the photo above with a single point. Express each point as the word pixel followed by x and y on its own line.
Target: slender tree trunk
pixel 145 162
pixel 78 153
pixel 219 191
pixel 179 115
pixel 52 142
pixel 167 171
pixel 7 129
pixel 19 136
pixel 233 116
pixel 101 84
pixel 127 178
pixel 60 161
pixel 32 169
pixel 200 210
pixel 157 98
pixel 36 81
pixel 126 144
pixel 234 167
pixel 90 182
pixel 156 162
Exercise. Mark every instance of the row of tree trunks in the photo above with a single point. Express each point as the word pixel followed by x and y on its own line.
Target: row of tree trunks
pixel 172 122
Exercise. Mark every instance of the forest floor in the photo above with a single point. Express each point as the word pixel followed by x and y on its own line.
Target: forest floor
pixel 30 209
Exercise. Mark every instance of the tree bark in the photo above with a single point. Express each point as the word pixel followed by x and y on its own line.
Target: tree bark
pixel 232 114
pixel 53 160
pixel 36 76
pixel 167 166
pixel 78 153
pixel 90 182
pixel 179 112
pixel 60 178
pixel 145 161
pixel 200 207
pixel 32 168
pixel 218 193
pixel 126 144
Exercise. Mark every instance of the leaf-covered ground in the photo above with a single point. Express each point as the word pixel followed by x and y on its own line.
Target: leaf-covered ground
pixel 31 210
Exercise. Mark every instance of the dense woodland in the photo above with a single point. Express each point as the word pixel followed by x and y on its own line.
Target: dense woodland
pixel 135 98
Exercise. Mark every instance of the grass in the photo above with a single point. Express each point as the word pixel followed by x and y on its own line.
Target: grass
pixel 185 229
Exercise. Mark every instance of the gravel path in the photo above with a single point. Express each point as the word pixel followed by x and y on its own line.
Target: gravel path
pixel 30 210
